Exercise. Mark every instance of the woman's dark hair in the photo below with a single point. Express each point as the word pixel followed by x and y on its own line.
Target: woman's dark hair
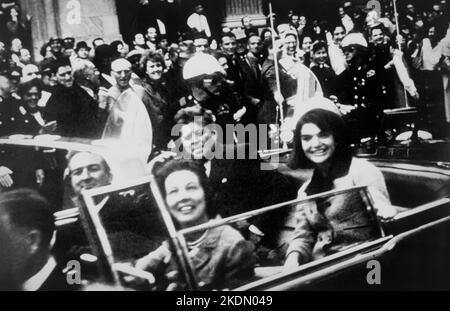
pixel 263 33
pixel 154 57
pixel 328 122
pixel 195 167
pixel 24 87
pixel 302 38
pixel 43 49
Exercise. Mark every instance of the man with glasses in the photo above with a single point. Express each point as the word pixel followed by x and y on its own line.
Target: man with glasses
pixel 128 118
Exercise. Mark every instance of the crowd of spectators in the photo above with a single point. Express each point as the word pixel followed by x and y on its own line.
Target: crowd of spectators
pixel 362 63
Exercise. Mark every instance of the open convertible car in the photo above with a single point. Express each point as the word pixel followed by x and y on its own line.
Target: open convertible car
pixel 110 227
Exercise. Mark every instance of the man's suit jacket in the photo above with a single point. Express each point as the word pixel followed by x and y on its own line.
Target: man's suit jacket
pixel 74 111
pixel 240 186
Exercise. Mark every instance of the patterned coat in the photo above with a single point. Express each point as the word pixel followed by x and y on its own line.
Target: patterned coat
pixel 326 226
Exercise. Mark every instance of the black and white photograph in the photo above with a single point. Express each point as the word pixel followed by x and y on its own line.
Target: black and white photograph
pixel 224 146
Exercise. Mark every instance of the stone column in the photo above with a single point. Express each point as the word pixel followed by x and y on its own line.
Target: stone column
pixel 81 19
pixel 44 23
pixel 236 9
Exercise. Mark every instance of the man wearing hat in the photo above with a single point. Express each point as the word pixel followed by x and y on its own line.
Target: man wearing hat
pixel 57 47
pixel 208 88
pixel 359 90
pixel 82 50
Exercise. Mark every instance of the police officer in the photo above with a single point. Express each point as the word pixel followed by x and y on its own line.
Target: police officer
pixel 361 92
pixel 208 88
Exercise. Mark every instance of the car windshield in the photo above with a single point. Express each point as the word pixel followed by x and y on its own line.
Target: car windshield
pixel 124 224
pixel 222 253
pixel 306 225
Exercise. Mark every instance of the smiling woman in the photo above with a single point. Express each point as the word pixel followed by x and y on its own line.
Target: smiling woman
pixel 322 228
pixel 221 258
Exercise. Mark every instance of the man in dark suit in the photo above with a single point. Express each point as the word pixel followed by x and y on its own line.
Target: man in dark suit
pixel 28 225
pixel 73 109
pixel 131 221
pixel 234 171
pixel 250 66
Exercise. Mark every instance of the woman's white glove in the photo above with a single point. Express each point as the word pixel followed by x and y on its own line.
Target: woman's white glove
pixel 386 213
pixel 162 254
pixel 5 177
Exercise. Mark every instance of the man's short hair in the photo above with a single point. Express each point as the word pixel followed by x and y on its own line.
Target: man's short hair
pixel 26 208
pixel 318 45
pixel 154 57
pixel 227 35
pixel 191 114
pixel 61 62
pixel 72 154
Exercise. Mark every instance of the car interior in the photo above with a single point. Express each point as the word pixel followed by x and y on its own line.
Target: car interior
pixel 419 190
